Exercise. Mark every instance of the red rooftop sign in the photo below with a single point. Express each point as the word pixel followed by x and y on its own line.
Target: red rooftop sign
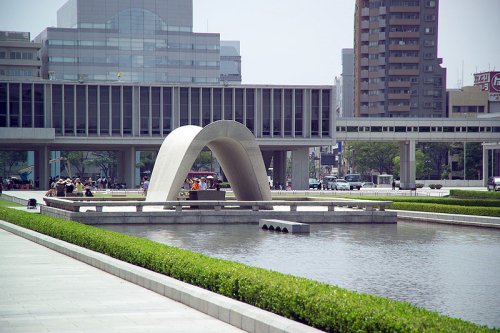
pixel 490 82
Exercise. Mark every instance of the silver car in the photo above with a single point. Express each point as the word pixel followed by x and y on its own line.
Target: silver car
pixel 340 184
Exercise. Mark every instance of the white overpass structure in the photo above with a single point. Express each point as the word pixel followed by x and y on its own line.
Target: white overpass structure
pixel 408 131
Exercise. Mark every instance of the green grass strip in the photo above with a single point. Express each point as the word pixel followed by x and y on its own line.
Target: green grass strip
pixel 321 305
pixel 475 194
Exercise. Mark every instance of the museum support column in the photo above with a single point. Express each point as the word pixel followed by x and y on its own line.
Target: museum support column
pixel 407 164
pixel 279 168
pixel 300 168
pixel 127 166
pixel 42 167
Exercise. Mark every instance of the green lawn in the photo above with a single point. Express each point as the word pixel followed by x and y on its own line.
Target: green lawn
pixel 5 203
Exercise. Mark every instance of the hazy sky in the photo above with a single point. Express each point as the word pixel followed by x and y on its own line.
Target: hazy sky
pixel 300 41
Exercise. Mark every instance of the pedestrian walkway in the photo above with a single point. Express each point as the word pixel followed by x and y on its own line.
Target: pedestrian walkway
pixel 44 291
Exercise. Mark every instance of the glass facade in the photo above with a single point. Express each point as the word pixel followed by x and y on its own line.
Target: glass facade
pixel 109 110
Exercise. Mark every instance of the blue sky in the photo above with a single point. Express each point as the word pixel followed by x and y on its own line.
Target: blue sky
pixel 300 41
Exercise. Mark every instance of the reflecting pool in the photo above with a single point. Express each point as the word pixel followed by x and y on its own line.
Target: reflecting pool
pixel 450 269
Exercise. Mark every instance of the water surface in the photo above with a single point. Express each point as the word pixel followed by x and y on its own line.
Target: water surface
pixel 450 269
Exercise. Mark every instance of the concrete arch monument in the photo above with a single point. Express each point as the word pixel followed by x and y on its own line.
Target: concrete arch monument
pixel 233 145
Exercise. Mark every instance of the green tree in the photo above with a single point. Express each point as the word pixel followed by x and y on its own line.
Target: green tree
pixel 9 159
pixel 147 161
pixel 77 160
pixel 204 161
pixel 436 158
pixel 419 165
pixel 474 160
pixel 106 161
pixel 364 157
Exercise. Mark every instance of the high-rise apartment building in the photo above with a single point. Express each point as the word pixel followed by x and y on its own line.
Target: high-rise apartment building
pixel 129 41
pixel 397 71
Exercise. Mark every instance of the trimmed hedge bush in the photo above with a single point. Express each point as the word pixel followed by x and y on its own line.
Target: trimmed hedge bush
pixel 317 304
pixel 448 209
pixel 439 201
pixel 475 194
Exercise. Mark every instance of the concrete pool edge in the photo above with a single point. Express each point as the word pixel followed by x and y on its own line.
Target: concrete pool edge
pixel 241 315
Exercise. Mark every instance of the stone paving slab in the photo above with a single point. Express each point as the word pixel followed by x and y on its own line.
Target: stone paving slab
pixel 45 291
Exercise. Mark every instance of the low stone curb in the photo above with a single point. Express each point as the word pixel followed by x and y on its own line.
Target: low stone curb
pixel 455 219
pixel 246 317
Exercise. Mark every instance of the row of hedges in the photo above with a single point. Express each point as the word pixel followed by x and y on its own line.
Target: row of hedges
pixel 447 209
pixel 440 201
pixel 317 304
pixel 475 194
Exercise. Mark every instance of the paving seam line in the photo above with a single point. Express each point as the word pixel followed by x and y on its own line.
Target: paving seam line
pixel 241 315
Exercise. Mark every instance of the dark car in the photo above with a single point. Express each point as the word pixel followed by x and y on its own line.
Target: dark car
pixel 494 183
pixel 314 183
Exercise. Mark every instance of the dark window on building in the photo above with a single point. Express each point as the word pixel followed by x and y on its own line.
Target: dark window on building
pixel 288 112
pixel 400 129
pixel 424 129
pixel 228 104
pixel 250 109
pixel 104 110
pixel 325 113
pixel 144 110
pixel 27 119
pixel 92 107
pixel 195 106
pixel 39 107
pixel 80 110
pixel 167 110
pixel 115 110
pixel 351 129
pixel 184 104
pixel 238 107
pixel 315 112
pixel 57 103
pixel 69 109
pixel 277 112
pixel 127 110
pixel 3 104
pixel 299 112
pixel 266 112
pixel 155 110
pixel 205 106
pixel 14 104
pixel 217 104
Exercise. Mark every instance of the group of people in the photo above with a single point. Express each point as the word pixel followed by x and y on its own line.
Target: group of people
pixel 202 184
pixel 68 187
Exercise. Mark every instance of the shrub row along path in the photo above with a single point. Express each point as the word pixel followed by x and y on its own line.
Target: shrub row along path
pixel 45 291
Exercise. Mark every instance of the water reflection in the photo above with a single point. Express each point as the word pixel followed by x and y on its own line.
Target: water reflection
pixel 449 269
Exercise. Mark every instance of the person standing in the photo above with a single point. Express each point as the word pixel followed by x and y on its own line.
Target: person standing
pixel 203 185
pixel 145 186
pixel 79 187
pixel 393 184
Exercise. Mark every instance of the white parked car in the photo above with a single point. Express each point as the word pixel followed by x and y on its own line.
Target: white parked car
pixel 340 184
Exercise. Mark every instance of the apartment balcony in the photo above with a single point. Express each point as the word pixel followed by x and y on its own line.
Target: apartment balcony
pixel 376 74
pixel 404 9
pixel 404 34
pixel 399 96
pixel 376 110
pixel 377 86
pixel 404 60
pixel 381 48
pixel 364 98
pixel 404 47
pixel 404 22
pixel 365 11
pixel 404 72
pixel 376 98
pixel 399 84
pixel 364 85
pixel 374 37
pixel 365 24
pixel 364 74
pixel 382 23
pixel 375 62
pixel 399 108
pixel 364 62
pixel 364 49
pixel 365 37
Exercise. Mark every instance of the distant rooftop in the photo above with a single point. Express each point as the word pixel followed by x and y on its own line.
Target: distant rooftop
pixel 14 36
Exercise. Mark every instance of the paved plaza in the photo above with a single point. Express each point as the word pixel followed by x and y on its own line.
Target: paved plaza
pixel 44 291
